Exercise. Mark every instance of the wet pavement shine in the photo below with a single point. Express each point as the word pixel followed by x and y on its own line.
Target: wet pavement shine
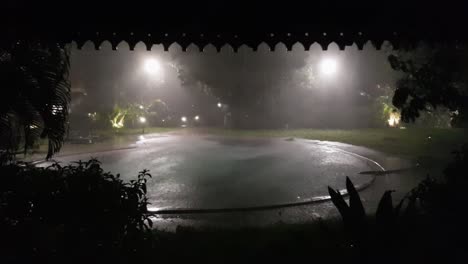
pixel 214 172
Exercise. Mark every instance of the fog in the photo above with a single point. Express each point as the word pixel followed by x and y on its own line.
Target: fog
pixel 243 89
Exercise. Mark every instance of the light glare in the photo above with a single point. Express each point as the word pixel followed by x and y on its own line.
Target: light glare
pixel 328 66
pixel 394 119
pixel 152 66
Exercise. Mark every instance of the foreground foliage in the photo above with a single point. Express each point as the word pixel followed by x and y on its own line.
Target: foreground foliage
pixel 430 214
pixel 36 96
pixel 71 212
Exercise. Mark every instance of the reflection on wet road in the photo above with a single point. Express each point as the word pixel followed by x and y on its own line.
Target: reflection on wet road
pixel 216 172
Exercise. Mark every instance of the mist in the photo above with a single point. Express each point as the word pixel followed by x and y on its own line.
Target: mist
pixel 256 89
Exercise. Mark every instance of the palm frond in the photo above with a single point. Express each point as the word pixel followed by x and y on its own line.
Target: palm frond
pixel 38 94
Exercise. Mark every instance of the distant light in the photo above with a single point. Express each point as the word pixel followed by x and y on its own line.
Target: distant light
pixel 164 120
pixel 32 126
pixel 118 124
pixel 196 118
pixel 152 66
pixel 56 109
pixel 142 119
pixel 328 66
pixel 141 107
pixel 394 119
pixel 220 105
pixel 183 119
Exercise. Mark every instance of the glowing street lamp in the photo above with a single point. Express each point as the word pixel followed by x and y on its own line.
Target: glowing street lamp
pixel 152 66
pixel 142 120
pixel 219 105
pixel 183 119
pixel 196 118
pixel 328 67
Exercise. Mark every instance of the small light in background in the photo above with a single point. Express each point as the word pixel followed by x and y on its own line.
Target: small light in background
pixel 141 107
pixel 394 119
pixel 183 119
pixel 142 119
pixel 56 109
pixel 219 105
pixel 196 118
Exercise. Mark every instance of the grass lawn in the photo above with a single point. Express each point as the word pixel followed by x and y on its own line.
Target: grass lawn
pixel 426 144
pixel 134 131
pixel 410 143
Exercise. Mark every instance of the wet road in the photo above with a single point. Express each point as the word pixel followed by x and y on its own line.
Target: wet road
pixel 194 171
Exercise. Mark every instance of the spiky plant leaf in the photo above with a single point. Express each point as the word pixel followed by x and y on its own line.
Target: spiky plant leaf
pixel 385 213
pixel 355 204
pixel 339 203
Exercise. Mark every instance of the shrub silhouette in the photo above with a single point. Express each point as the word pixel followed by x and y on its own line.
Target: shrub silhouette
pixel 71 211
pixel 431 216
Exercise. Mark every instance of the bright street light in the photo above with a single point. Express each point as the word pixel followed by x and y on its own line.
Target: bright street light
pixel 197 118
pixel 183 119
pixel 141 107
pixel 152 66
pixel 328 67
pixel 219 105
pixel 142 119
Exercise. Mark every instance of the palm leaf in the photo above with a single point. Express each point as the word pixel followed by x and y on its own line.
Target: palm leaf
pixel 36 79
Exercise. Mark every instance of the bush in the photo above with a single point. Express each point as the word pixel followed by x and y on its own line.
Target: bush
pixel 429 221
pixel 71 212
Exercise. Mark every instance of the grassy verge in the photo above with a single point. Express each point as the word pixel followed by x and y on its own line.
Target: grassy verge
pixel 409 143
pixel 134 131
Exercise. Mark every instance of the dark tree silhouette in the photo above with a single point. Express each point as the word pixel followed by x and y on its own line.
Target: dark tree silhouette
pixel 432 78
pixel 246 81
pixel 35 96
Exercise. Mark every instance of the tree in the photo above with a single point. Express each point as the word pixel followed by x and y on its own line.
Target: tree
pixel 157 112
pixel 432 78
pixel 248 82
pixel 36 96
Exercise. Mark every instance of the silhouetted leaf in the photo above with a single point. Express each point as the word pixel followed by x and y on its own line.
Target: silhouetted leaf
pixel 355 204
pixel 339 202
pixel 385 212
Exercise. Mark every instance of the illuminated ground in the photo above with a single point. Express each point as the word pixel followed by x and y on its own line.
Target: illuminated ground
pixel 205 171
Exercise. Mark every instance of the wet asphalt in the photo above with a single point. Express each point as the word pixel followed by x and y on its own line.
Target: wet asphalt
pixel 214 172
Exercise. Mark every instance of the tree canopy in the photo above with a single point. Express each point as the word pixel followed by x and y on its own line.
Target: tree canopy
pixel 244 81
pixel 36 96
pixel 432 77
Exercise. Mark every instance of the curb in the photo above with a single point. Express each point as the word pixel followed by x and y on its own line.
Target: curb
pixel 35 162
